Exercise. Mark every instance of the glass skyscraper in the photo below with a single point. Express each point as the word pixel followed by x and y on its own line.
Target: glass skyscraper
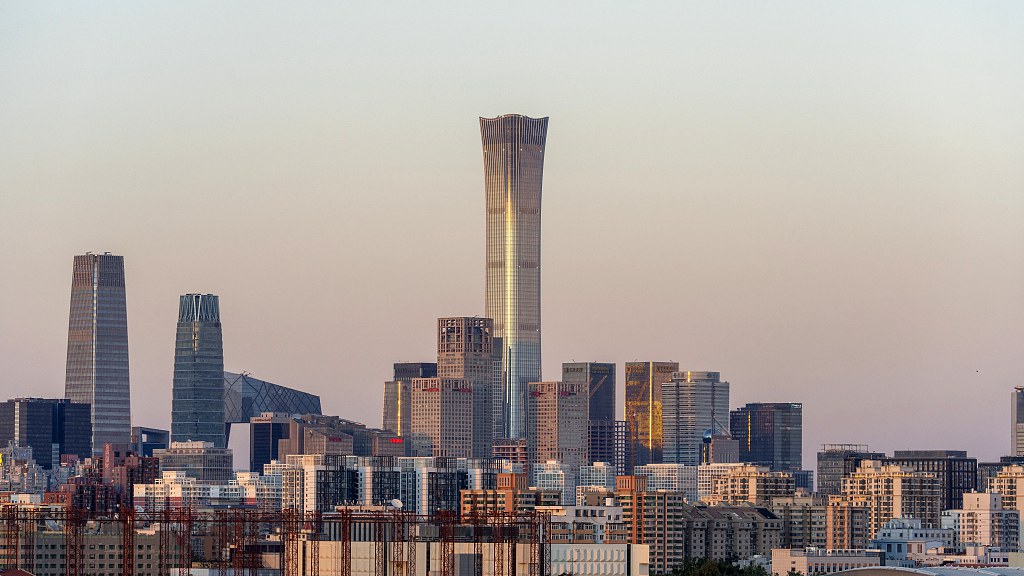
pixel 513 149
pixel 197 406
pixel 97 367
pixel 643 409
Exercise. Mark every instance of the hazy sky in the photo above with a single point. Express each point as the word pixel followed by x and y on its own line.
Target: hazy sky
pixel 822 200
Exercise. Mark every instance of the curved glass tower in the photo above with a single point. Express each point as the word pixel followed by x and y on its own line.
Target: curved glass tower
pixel 513 147
pixel 197 405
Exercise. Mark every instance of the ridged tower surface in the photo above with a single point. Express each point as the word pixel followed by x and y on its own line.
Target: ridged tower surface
pixel 513 151
pixel 97 361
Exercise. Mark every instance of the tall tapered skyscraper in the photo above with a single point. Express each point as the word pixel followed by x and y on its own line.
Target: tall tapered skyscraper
pixel 97 367
pixel 513 147
pixel 197 406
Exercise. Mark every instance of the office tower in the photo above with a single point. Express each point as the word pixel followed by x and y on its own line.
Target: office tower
pixel 397 402
pixel 145 440
pixel 513 152
pixel 441 412
pixel 989 470
pixel 600 380
pixel 693 404
pixel 97 367
pixel 836 461
pixel 643 408
pixel 609 442
pixel 197 406
pixel 1017 421
pixel 558 417
pixel 465 349
pixel 207 463
pixel 891 491
pixel 246 396
pixel 50 427
pixel 955 471
pixel 605 431
pixel 769 434
pixel 719 449
pixel 265 434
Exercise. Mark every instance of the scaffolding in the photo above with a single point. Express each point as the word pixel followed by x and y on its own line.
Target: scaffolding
pixel 228 540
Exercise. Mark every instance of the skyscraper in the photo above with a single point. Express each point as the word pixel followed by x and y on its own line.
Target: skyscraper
pixel 600 380
pixel 1017 421
pixel 50 427
pixel 694 404
pixel 558 411
pixel 606 436
pixel 97 367
pixel 465 346
pixel 397 394
pixel 442 412
pixel 513 150
pixel 643 408
pixel 197 406
pixel 770 434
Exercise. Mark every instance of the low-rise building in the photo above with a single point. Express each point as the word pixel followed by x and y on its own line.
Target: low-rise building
pixel 812 561
pixel 903 540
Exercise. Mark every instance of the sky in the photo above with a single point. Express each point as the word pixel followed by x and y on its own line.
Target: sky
pixel 823 201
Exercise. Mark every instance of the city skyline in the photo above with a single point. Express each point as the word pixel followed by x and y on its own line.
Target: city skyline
pixel 830 246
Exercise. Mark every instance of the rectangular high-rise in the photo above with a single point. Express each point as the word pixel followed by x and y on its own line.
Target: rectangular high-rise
pixel 441 411
pixel 769 434
pixel 465 349
pixel 97 362
pixel 694 405
pixel 643 408
pixel 606 436
pixel 837 461
pixel 197 405
pixel 397 394
pixel 51 427
pixel 600 380
pixel 558 416
pixel 1017 421
pixel 513 153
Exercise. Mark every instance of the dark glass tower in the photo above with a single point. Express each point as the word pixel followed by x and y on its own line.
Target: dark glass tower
pixel 513 148
pixel 197 408
pixel 97 367
pixel 51 427
pixel 770 434
pixel 600 379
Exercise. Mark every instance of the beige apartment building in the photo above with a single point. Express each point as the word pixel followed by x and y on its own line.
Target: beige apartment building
pixel 675 530
pixel 892 491
pixel 755 485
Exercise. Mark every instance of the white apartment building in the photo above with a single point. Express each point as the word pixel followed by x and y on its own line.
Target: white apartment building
pixel 984 522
